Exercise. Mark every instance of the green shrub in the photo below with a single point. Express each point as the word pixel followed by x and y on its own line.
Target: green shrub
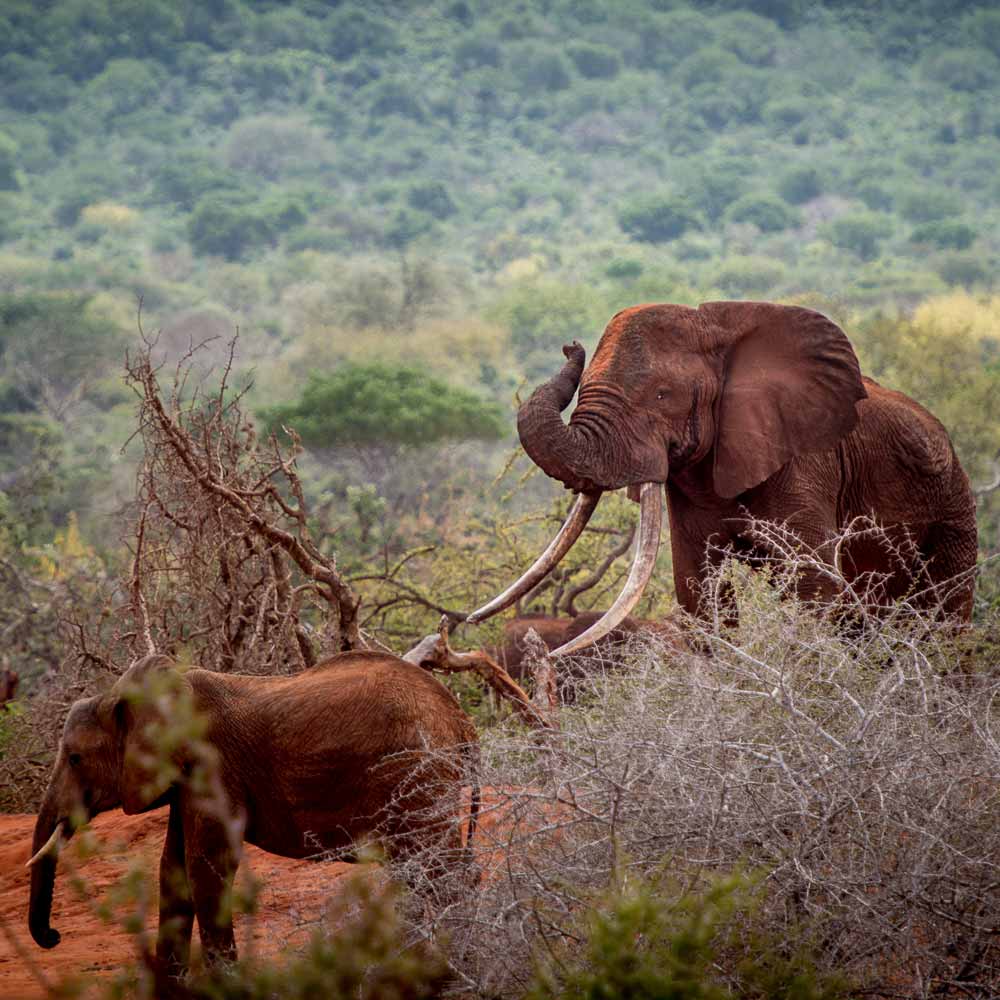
pixel 859 232
pixel 876 196
pixel 647 942
pixel 657 218
pixel 539 67
pixel 707 66
pixel 664 40
pixel 363 405
pixel 716 184
pixel 542 316
pixel 221 227
pixel 315 238
pixel 753 38
pixel 433 198
pixel 785 113
pixel 475 51
pixel 595 62
pixel 925 204
pixel 946 234
pixel 765 211
pixel 624 269
pixel 124 86
pixel 351 30
pixel 962 269
pixel 187 176
pixel 800 184
pixel 8 164
pixel 966 69
pixel 395 97
pixel 742 276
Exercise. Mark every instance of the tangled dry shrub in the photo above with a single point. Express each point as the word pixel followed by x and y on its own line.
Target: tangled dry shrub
pixel 851 765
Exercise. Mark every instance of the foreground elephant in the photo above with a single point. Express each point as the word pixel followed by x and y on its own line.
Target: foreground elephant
pixel 751 409
pixel 362 745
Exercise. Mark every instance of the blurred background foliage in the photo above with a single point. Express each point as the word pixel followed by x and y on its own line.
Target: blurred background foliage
pixel 432 198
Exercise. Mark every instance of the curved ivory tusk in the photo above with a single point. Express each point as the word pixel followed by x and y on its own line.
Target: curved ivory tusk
pixel 54 844
pixel 650 521
pixel 574 524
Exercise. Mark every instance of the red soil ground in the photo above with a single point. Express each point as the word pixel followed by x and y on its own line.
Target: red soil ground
pixel 294 896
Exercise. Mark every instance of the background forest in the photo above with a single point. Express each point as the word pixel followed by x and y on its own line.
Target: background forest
pixel 404 210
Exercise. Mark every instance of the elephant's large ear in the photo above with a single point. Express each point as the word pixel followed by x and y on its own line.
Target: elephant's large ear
pixel 790 385
pixel 140 707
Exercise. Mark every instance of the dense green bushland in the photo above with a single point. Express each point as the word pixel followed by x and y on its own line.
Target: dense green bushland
pixel 428 200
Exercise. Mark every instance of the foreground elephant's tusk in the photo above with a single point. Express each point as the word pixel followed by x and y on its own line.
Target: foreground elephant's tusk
pixel 650 522
pixel 574 524
pixel 53 844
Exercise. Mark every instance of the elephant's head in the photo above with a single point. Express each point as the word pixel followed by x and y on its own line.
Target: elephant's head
pixel 744 386
pixel 106 759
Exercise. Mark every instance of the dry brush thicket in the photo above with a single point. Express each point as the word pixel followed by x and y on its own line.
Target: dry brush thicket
pixel 851 767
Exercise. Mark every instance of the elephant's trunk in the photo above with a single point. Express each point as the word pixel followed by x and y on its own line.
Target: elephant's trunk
pixel 557 449
pixel 591 454
pixel 44 849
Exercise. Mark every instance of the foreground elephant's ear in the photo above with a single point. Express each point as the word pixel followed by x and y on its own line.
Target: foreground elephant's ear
pixel 790 385
pixel 139 706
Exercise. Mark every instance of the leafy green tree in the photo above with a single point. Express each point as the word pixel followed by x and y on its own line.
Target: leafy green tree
pixel 433 198
pixel 188 176
pixel 221 227
pixel 8 164
pixel 352 30
pixel 714 185
pixel 920 203
pixel 125 85
pixel 657 218
pixel 377 405
pixel 967 69
pixel 948 234
pixel 800 184
pixel 765 211
pixel 595 62
pixel 539 67
pixel 477 50
pixel 860 232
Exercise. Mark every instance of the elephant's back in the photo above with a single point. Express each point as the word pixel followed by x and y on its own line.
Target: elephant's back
pixel 894 421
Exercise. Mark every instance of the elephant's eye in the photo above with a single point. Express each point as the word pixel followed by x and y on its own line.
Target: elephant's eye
pixel 74 759
pixel 662 394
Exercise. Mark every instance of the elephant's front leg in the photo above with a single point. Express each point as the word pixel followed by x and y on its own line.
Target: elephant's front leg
pixel 173 941
pixel 211 864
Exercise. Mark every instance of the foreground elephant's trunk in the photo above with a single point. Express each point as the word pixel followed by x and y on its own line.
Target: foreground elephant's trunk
pixel 44 849
pixel 564 453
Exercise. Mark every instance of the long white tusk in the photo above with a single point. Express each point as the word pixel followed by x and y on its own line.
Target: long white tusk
pixel 646 546
pixel 576 521
pixel 54 844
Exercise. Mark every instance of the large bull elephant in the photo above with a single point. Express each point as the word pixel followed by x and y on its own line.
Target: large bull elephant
pixel 363 745
pixel 751 409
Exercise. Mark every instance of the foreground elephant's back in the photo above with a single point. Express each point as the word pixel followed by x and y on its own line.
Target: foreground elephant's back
pixel 368 731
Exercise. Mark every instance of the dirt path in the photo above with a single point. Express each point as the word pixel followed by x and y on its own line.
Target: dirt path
pixel 294 896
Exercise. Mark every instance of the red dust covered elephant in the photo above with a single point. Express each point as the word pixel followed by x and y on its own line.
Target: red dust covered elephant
pixel 751 410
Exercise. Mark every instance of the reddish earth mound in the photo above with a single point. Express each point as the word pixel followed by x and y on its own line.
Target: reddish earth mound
pixel 294 895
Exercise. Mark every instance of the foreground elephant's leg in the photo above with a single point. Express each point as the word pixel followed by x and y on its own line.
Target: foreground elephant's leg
pixel 173 941
pixel 211 869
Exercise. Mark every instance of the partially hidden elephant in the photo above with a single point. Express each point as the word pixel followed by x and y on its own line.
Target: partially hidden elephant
pixel 751 410
pixel 555 631
pixel 360 747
